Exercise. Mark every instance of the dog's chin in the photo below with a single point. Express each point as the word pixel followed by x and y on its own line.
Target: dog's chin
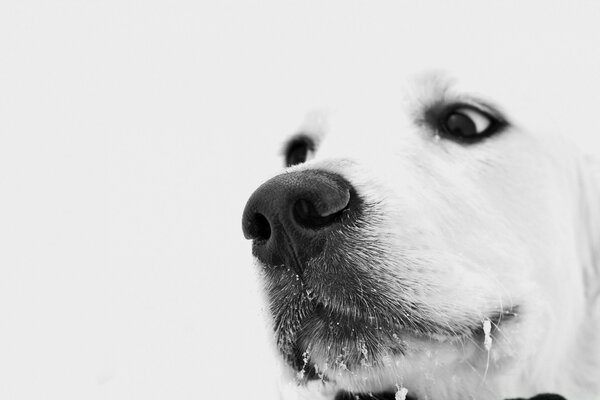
pixel 423 362
pixel 408 362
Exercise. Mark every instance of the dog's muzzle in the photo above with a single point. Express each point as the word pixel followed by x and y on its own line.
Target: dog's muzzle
pixel 289 216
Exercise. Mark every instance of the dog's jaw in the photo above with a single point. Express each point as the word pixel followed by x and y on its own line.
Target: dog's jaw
pixel 440 367
pixel 377 356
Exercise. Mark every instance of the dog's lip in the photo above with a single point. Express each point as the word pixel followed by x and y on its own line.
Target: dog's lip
pixel 404 342
pixel 404 336
pixel 351 316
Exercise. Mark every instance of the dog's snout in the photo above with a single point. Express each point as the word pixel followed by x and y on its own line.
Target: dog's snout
pixel 293 212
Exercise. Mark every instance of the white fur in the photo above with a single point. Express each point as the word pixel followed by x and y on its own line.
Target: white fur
pixel 514 220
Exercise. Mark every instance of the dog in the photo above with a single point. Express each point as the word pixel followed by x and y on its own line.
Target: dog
pixel 438 248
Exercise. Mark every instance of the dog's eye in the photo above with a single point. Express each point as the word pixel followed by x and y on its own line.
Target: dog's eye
pixel 468 123
pixel 298 150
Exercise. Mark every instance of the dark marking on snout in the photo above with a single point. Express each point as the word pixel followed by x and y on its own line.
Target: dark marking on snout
pixel 290 216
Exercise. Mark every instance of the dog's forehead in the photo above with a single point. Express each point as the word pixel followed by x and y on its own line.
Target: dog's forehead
pixel 386 110
pixel 383 114
pixel 391 114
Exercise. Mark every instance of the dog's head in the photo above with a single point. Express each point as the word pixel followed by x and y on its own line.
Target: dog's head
pixel 440 249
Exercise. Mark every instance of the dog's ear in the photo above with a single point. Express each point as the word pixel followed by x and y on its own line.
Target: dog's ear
pixel 589 188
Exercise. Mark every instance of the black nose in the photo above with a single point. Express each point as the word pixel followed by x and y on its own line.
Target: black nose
pixel 290 215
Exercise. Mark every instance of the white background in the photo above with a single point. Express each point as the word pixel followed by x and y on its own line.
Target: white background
pixel 132 132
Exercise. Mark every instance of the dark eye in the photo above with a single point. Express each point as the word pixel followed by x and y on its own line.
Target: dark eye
pixel 468 123
pixel 298 150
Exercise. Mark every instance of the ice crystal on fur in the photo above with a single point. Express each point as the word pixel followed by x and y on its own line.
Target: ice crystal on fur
pixel 401 393
pixel 305 358
pixel 487 328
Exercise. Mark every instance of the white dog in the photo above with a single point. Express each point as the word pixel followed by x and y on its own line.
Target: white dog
pixel 448 250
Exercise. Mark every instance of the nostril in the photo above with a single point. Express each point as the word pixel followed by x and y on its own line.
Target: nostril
pixel 261 229
pixel 306 215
